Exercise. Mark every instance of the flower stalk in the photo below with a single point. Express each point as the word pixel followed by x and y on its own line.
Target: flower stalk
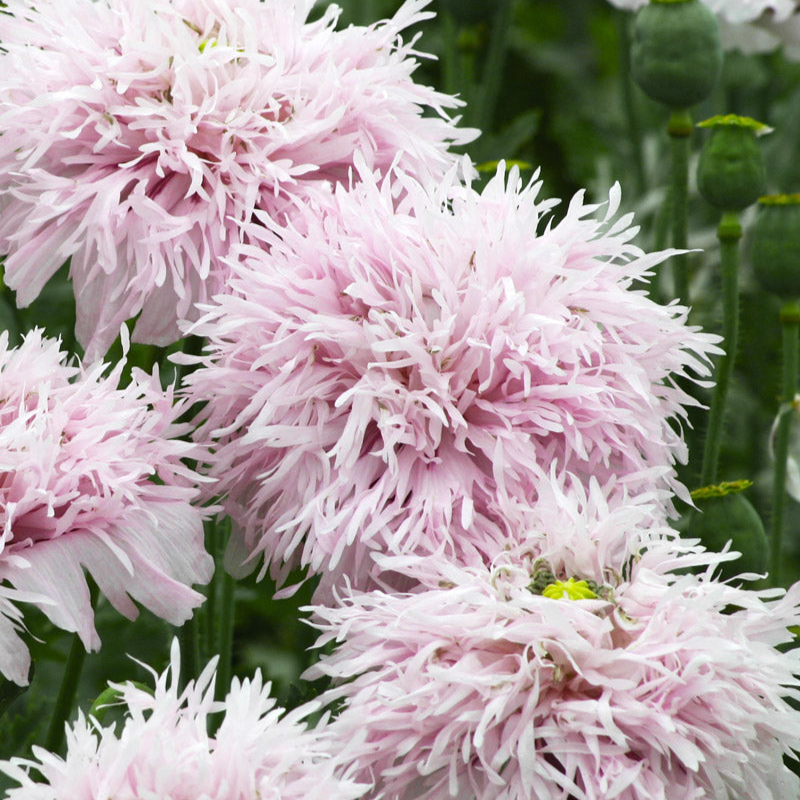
pixel 730 176
pixel 634 126
pixel 790 324
pixel 729 232
pixel 226 617
pixel 210 632
pixel 222 612
pixel 676 58
pixel 679 129
pixel 69 687
pixel 775 258
pixel 190 650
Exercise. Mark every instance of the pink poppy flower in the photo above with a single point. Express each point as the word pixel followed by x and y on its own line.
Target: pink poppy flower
pixel 528 680
pixel 401 379
pixel 77 459
pixel 164 749
pixel 136 137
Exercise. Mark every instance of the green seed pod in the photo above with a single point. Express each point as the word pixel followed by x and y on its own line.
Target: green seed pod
pixel 732 517
pixel 775 245
pixel 676 56
pixel 731 174
pixel 469 12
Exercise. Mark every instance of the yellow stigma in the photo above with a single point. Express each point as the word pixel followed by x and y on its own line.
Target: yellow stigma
pixel 571 589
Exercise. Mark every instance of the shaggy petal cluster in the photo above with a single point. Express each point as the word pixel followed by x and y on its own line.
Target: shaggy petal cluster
pixel 164 750
pixel 588 530
pixel 402 379
pixel 78 456
pixel 502 685
pixel 136 137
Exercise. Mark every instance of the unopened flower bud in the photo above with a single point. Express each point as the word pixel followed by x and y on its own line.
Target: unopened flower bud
pixel 732 518
pixel 676 56
pixel 731 173
pixel 775 249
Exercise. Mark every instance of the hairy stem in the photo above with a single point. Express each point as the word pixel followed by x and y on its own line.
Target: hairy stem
pixel 69 687
pixel 226 614
pixel 679 128
pixel 190 650
pixel 790 322
pixel 729 233
pixel 629 102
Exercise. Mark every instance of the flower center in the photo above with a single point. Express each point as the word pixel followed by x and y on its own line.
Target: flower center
pixel 569 589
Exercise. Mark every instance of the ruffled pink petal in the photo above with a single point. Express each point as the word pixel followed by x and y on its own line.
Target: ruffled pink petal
pixel 77 460
pixel 153 132
pixel 403 379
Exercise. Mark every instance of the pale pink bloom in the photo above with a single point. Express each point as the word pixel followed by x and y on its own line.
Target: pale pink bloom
pixel 78 456
pixel 589 530
pixel 403 378
pixel 137 136
pixel 480 686
pixel 164 749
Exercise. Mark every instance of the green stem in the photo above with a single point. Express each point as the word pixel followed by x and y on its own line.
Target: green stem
pixel 206 613
pixel 66 695
pixel 790 322
pixel 210 632
pixel 663 217
pixel 493 66
pixel 190 650
pixel 629 102
pixel 679 128
pixel 449 54
pixel 659 286
pixel 69 686
pixel 226 613
pixel 729 233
